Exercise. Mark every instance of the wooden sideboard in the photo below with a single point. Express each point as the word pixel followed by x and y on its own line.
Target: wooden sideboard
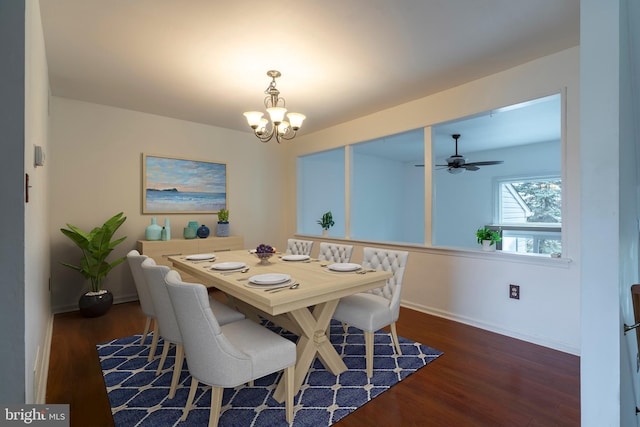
pixel 160 250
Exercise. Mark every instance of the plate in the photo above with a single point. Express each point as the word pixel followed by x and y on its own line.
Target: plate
pixel 269 279
pixel 344 266
pixel 295 257
pixel 276 286
pixel 200 257
pixel 228 265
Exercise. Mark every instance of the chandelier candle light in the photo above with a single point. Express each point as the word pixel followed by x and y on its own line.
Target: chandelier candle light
pixel 276 107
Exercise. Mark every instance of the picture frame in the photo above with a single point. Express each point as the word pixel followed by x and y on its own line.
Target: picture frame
pixel 175 185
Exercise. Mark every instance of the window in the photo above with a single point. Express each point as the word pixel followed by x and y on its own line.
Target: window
pixel 321 188
pixel 530 215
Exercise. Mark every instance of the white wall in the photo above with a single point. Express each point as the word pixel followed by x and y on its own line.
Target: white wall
pixel 465 202
pixel 38 318
pixel 609 159
pixel 95 171
pixel 467 285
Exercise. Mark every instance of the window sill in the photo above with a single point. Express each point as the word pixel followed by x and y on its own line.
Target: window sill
pixel 536 259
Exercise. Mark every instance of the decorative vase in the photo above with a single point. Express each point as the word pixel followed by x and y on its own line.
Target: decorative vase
pixel 190 232
pixel 325 232
pixel 167 228
pixel 154 231
pixel 222 230
pixel 203 232
pixel 487 246
pixel 94 304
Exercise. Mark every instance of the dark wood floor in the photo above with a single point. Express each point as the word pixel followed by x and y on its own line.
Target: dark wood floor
pixel 483 379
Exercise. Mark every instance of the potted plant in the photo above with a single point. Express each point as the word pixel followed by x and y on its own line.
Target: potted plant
pixel 487 238
pixel 222 230
pixel 326 222
pixel 96 246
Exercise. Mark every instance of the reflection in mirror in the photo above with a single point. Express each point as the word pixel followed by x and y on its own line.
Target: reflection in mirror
pixel 387 190
pixel 526 138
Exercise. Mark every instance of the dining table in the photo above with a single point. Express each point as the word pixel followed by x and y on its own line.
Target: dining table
pixel 303 304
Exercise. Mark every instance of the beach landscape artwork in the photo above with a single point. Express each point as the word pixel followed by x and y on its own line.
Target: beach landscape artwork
pixel 177 185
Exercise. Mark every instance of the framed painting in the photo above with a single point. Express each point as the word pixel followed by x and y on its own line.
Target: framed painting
pixel 179 185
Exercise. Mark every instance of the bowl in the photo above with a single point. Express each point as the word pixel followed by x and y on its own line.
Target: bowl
pixel 264 257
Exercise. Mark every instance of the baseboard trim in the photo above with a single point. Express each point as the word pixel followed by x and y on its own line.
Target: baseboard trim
pixel 116 300
pixel 43 369
pixel 559 346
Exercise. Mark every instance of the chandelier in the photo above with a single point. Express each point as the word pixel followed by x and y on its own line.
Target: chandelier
pixel 276 107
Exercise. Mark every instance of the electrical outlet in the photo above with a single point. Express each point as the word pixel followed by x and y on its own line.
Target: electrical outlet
pixel 514 291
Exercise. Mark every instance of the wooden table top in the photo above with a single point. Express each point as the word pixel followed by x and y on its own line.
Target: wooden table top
pixel 318 284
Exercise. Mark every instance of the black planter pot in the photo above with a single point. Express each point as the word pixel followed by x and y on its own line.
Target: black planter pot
pixel 95 305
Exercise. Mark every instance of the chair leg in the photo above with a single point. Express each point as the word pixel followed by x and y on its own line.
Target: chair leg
pixel 154 341
pixel 289 374
pixel 146 330
pixel 394 337
pixel 192 393
pixel 368 349
pixel 165 351
pixel 177 369
pixel 216 403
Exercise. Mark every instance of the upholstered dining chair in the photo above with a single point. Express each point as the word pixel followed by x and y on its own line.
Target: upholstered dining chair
pixel 226 355
pixel 375 309
pixel 299 247
pixel 167 324
pixel 335 252
pixel 135 261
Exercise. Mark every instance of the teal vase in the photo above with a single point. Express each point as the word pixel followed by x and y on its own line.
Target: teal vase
pixel 154 231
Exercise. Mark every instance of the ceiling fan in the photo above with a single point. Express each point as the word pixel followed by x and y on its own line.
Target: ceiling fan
pixel 458 164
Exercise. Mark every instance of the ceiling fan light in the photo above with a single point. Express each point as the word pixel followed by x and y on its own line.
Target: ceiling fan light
pixel 456 171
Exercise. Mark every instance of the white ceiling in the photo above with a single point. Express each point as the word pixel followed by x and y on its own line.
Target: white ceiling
pixel 206 61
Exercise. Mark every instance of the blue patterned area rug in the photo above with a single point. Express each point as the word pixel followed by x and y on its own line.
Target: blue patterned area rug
pixel 139 398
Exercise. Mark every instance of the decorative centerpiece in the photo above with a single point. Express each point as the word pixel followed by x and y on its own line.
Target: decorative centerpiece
pixel 264 252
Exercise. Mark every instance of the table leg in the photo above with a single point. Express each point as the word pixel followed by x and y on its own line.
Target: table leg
pixel 313 341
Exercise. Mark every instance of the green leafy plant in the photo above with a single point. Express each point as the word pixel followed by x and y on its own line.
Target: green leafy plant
pixel 326 222
pixel 488 234
pixel 223 215
pixel 96 247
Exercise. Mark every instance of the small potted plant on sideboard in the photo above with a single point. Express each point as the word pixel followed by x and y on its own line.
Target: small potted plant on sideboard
pixel 488 238
pixel 222 230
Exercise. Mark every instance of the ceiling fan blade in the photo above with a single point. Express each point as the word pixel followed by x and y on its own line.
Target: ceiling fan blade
pixel 487 163
pixel 470 167
pixel 419 166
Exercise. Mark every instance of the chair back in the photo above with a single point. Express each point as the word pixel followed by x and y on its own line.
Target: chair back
pixel 299 247
pixel 211 358
pixel 165 316
pixel 334 252
pixel 135 261
pixel 392 261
